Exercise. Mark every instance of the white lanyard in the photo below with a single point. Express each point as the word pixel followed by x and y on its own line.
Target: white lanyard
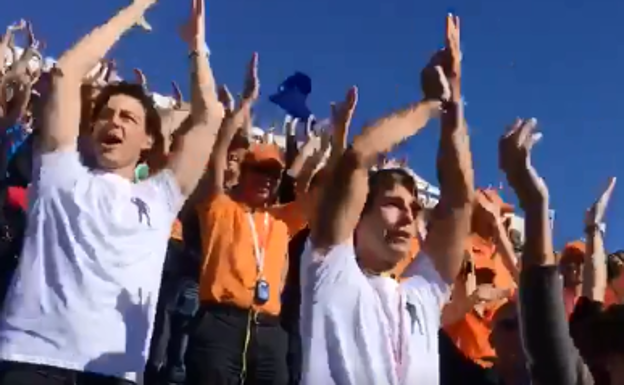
pixel 259 251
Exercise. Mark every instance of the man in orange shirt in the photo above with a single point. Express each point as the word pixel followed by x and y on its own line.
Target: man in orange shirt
pixel 238 337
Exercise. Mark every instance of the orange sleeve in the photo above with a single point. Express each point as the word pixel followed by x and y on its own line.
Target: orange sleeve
pixel 293 214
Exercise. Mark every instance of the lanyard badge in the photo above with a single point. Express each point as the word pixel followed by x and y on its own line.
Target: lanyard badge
pixel 262 288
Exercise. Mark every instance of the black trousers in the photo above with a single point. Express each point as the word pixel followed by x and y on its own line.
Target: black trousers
pixel 232 346
pixel 17 373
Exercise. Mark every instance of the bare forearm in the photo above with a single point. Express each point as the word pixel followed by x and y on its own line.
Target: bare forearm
pixel 452 218
pixel 454 161
pixel 203 89
pixel 595 269
pixel 538 250
pixel 86 54
pixel 506 249
pixel 384 134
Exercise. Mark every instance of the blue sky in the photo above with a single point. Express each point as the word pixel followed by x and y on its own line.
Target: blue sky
pixel 559 61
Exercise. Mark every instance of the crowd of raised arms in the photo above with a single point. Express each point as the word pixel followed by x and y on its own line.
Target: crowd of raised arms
pixel 151 244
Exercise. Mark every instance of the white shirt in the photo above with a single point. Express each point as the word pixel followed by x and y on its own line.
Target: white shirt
pixel 349 320
pixel 85 292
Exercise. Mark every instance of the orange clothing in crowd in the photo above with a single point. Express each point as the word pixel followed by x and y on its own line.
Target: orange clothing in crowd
pixel 573 253
pixel 229 273
pixel 404 263
pixel 471 335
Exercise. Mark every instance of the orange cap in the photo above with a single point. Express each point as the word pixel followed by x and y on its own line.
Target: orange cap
pixel 262 153
pixel 573 252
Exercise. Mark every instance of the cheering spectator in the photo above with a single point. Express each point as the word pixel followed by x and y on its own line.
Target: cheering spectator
pixel 360 326
pixel 83 299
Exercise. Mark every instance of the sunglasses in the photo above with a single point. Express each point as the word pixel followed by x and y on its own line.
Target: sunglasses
pixel 271 172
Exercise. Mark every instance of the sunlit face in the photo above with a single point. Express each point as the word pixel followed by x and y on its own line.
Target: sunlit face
pixel 119 133
pixel 233 168
pixel 387 228
pixel 260 182
pixel 572 272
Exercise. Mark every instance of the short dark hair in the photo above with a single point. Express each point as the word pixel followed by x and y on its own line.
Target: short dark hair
pixel 615 264
pixel 153 123
pixel 386 179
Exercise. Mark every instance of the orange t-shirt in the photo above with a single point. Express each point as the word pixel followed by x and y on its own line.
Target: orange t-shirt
pixel 471 335
pixel 229 273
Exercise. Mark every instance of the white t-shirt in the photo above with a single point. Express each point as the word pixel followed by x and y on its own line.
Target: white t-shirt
pixel 351 323
pixel 85 292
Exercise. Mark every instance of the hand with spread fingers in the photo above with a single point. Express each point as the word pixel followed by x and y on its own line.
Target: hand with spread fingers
pixel 595 214
pixel 514 151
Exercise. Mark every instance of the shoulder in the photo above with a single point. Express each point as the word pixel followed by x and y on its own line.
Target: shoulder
pixel 424 284
pixel 162 189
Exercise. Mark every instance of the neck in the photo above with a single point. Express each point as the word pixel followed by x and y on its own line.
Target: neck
pixel 124 172
pixel 370 264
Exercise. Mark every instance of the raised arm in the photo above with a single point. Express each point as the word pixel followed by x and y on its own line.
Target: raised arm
pixel 194 146
pixel 344 195
pixel 552 356
pixel 63 107
pixel 213 181
pixel 450 224
pixel 595 269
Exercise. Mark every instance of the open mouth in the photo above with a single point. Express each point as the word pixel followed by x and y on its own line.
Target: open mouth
pixel 111 140
pixel 398 236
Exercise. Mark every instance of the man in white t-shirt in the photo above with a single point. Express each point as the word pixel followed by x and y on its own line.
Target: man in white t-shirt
pixel 359 325
pixel 81 307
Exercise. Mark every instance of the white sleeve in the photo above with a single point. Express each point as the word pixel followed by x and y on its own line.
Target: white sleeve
pixel 336 265
pixel 57 169
pixel 167 190
pixel 425 281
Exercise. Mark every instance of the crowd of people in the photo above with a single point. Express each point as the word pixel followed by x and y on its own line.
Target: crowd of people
pixel 151 244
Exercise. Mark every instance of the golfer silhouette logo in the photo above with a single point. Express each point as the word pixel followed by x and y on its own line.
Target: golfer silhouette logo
pixel 143 210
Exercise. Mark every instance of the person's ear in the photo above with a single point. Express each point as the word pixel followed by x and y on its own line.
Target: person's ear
pixel 148 143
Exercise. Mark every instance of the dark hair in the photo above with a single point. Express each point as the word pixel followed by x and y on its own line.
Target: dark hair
pixel 153 124
pixel 615 264
pixel 386 179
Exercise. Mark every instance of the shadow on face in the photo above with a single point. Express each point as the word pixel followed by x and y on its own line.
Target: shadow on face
pixel 125 128
pixel 387 226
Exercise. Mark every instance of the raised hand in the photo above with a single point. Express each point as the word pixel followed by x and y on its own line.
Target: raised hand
pixel 251 90
pixel 441 78
pixel 142 22
pixel 225 97
pixel 595 214
pixel 177 95
pixel 140 78
pixel 341 115
pixel 194 31
pixel 489 205
pixel 20 25
pixel 514 152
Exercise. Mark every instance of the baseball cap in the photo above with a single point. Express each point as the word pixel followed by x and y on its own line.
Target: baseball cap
pixel 264 154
